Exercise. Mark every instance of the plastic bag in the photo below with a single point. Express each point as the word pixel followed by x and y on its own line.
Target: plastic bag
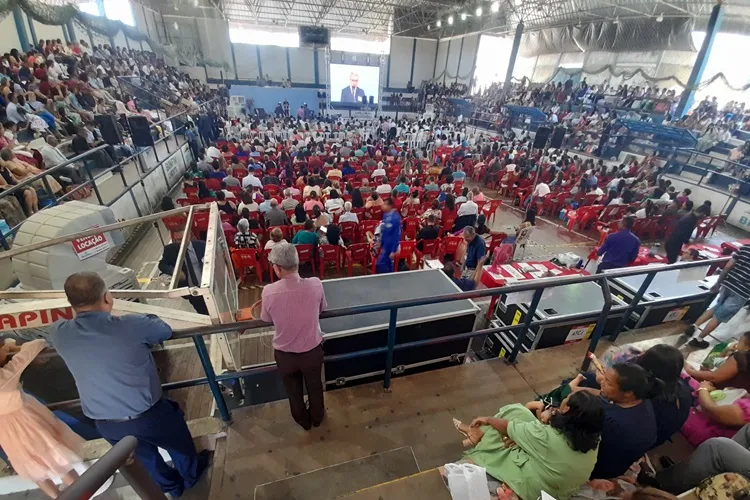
pixel 467 482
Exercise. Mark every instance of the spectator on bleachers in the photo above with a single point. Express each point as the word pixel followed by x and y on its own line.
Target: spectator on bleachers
pixel 524 456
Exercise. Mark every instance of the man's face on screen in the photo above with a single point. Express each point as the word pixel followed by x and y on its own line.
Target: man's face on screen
pixel 354 80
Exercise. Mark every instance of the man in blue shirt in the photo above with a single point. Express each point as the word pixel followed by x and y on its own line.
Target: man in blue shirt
pixel 390 237
pixel 402 187
pixel 110 359
pixel 475 250
pixel 620 248
pixel 465 284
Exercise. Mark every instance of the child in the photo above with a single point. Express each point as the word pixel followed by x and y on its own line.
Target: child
pixel 39 446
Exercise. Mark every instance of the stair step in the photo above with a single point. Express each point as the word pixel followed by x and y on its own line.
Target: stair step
pixel 332 482
pixel 427 484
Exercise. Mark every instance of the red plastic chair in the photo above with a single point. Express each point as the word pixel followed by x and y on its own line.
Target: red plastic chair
pixel 213 184
pixel 239 173
pixel 489 210
pixel 271 189
pixel 707 225
pixel 175 224
pixel 367 226
pixel 495 240
pixel 430 248
pixel 190 192
pixel 306 253
pixel 358 253
pixel 411 227
pixel 450 245
pixel 446 223
pixel 245 258
pixel 349 231
pixel 329 254
pixel 200 222
pixel 184 202
pixel 225 217
pixel 406 252
pixel 374 213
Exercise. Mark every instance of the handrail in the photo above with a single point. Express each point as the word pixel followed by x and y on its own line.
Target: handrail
pixel 212 380
pixel 98 230
pixel 121 457
pixel 450 297
pixel 49 171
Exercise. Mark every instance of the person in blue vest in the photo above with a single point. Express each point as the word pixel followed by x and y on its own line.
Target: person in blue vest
pixel 390 237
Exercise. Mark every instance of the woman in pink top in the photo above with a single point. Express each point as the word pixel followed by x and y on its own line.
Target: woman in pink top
pixel 313 202
pixel 39 446
pixel 710 420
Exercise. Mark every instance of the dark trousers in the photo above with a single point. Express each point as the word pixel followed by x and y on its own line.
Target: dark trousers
pixel 163 426
pixel 296 369
pixel 606 265
pixel 673 249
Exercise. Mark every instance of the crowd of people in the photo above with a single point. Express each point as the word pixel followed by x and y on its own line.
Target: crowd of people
pixel 282 182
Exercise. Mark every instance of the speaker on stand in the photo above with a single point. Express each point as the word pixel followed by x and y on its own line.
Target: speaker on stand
pixel 140 132
pixel 109 129
pixel 557 137
pixel 540 139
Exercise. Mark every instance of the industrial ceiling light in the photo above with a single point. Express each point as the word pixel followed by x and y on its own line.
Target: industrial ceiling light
pixel 439 23
pixel 660 18
pixel 450 20
pixel 176 26
pixel 463 16
pixel 617 20
pixel 479 11
pixel 495 6
pixel 429 27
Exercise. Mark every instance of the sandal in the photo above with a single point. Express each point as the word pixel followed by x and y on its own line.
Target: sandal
pixel 473 435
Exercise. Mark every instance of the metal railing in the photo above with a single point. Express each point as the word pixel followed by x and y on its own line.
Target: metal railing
pixel 117 168
pixel 537 286
pixel 121 457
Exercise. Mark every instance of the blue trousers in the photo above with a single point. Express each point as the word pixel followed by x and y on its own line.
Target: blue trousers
pixel 384 264
pixel 161 426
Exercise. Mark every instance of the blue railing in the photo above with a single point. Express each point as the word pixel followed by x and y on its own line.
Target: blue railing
pixel 538 286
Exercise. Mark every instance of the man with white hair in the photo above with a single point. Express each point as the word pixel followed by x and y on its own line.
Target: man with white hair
pixel 348 215
pixel 297 340
pixel 378 172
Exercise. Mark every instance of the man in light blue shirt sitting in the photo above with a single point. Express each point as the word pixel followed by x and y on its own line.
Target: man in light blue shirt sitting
pixel 110 359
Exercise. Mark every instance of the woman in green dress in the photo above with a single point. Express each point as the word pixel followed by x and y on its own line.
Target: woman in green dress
pixel 526 456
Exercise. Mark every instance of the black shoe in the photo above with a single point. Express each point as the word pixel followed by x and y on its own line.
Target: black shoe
pixel 666 462
pixel 203 460
pixel 646 479
pixel 699 343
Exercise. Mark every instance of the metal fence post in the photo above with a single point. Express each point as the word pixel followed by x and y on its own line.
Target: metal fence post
pixel 93 182
pixel 633 303
pixel 200 346
pixel 527 322
pixel 389 355
pixel 596 335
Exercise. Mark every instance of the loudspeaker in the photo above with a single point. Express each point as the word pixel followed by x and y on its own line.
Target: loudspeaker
pixel 109 129
pixel 557 138
pixel 140 131
pixel 540 139
pixel 371 100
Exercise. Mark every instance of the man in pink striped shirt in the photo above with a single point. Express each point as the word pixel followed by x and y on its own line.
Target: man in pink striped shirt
pixel 293 304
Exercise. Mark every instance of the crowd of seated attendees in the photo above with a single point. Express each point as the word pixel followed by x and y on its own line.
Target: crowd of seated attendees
pixel 590 436
pixel 51 94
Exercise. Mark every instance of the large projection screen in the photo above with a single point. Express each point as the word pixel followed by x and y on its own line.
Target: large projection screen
pixel 354 84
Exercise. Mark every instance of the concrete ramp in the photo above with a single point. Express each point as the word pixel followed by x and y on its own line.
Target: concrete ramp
pixel 342 479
